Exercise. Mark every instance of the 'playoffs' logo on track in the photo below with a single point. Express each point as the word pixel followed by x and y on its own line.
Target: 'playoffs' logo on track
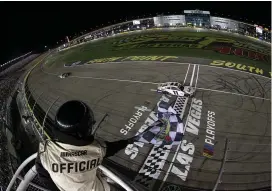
pixel 133 149
pixel 210 135
pixel 133 120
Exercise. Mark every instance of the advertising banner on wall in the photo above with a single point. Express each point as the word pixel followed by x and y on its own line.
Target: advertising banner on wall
pixel 259 29
pixel 170 20
pixel 136 22
pixel 197 12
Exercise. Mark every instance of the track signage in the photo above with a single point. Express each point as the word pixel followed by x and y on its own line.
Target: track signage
pixel 219 63
pixel 210 135
pixel 133 149
pixel 241 67
pixel 185 155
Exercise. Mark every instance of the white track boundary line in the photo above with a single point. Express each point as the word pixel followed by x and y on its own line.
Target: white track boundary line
pixel 114 79
pixel 193 75
pixel 186 74
pixel 232 93
pixel 197 76
pixel 179 63
pixel 142 82
pixel 136 61
pixel 109 79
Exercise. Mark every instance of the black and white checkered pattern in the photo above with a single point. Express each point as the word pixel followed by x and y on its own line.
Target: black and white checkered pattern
pixel 180 105
pixel 155 161
pixel 168 129
pixel 153 165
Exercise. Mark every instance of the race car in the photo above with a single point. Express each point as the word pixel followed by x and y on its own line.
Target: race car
pixel 64 75
pixel 175 88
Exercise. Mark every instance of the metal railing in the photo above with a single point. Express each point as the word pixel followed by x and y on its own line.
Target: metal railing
pixel 13 60
pixel 42 123
pixel 32 173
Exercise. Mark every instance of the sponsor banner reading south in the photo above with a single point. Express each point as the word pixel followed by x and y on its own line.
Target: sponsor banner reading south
pixel 218 63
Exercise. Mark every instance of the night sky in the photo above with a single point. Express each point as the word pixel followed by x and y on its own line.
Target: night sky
pixel 29 26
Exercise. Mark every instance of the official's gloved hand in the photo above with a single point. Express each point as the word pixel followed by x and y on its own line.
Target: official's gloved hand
pixel 133 139
pixel 114 147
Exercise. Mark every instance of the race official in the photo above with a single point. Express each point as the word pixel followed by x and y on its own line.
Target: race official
pixel 70 161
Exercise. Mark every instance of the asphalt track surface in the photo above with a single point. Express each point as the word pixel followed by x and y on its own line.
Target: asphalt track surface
pixel 241 103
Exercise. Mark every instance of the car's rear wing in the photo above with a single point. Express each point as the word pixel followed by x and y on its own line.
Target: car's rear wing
pixel 169 84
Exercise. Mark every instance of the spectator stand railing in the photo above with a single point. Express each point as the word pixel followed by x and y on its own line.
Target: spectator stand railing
pixel 13 60
pixel 26 181
pixel 39 119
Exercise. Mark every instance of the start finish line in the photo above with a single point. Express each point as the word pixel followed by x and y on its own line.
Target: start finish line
pixel 154 163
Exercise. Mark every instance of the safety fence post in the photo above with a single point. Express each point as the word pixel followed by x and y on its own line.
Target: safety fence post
pixel 47 114
pixel 27 101
pixel 218 180
pixel 29 94
pixel 36 101
pixel 34 128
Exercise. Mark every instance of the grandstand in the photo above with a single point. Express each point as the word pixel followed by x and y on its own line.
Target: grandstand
pixel 10 78
pixel 194 18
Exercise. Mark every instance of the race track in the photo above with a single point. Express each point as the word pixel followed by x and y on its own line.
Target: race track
pixel 238 101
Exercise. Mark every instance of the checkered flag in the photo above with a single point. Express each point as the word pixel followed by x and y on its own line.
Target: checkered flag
pixel 167 130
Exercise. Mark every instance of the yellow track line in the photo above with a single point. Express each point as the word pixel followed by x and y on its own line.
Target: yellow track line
pixel 27 75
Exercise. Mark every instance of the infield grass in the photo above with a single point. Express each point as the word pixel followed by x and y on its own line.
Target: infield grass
pixel 165 43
